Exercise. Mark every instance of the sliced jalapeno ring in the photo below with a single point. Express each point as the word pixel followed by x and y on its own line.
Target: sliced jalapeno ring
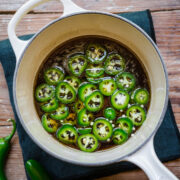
pixel 67 134
pixel 95 53
pixel 78 106
pixel 84 130
pixel 110 113
pixel 120 99
pixel 87 143
pixel 77 64
pixel 94 102
pixel 44 92
pixel 49 124
pixel 107 87
pixel 125 124
pixel 140 96
pixel 71 119
pixel 136 114
pixel 60 113
pixel 73 81
pixel 65 93
pixel 95 80
pixel 50 106
pixel 84 118
pixel 102 129
pixel 114 64
pixel 94 70
pixel 119 136
pixel 54 75
pixel 85 90
pixel 125 81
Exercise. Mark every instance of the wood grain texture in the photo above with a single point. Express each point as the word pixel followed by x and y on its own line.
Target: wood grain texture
pixel 167 28
pixel 100 5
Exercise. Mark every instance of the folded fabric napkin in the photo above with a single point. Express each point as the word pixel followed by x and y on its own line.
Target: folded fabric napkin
pixel 167 139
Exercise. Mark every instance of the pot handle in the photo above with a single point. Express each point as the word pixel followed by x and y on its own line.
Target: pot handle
pixel 147 160
pixel 18 44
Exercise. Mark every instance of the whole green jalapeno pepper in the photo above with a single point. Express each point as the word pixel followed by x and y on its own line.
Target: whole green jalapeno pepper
pixel 35 170
pixel 4 148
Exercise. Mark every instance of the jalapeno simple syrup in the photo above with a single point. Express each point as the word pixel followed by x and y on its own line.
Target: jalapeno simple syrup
pixel 92 93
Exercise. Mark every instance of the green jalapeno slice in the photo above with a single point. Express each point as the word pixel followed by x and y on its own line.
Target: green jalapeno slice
pixel 49 124
pixel 94 70
pixel 95 80
pixel 125 81
pixel 71 119
pixel 78 106
pixel 95 53
pixel 44 92
pixel 84 118
pixel 114 64
pixel 125 124
pixel 120 99
pixel 110 113
pixel 85 90
pixel 65 93
pixel 107 86
pixel 54 75
pixel 136 114
pixel 102 129
pixel 87 143
pixel 84 130
pixel 140 96
pixel 67 134
pixel 60 113
pixel 94 102
pixel 77 64
pixel 73 81
pixel 50 106
pixel 119 136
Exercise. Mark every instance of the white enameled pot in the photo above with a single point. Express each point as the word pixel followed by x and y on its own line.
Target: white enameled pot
pixel 76 22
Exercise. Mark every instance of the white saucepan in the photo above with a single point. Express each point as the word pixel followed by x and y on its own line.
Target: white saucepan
pixel 76 22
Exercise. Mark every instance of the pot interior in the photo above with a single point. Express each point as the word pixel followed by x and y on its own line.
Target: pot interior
pixel 62 30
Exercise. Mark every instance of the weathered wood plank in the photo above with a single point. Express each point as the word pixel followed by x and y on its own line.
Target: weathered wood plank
pixel 100 5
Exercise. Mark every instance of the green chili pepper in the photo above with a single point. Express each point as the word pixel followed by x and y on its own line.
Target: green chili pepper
pixel 77 64
pixel 54 75
pixel 114 64
pixel 95 53
pixel 110 113
pixel 4 147
pixel 36 171
pixel 87 142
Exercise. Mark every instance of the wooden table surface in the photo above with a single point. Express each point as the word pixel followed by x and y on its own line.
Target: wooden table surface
pixel 166 18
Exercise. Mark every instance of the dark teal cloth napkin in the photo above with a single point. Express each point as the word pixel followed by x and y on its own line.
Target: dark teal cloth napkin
pixel 167 139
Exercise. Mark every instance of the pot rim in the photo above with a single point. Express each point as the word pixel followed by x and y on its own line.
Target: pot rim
pixel 87 163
